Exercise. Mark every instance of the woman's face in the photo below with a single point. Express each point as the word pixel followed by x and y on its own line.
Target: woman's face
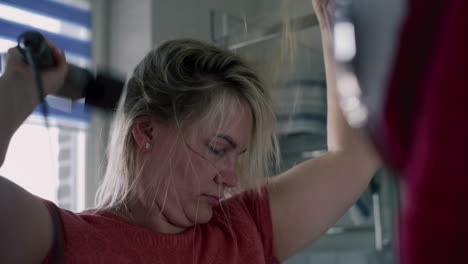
pixel 185 181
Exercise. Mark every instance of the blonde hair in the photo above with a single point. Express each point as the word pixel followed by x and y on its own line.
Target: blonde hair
pixel 180 82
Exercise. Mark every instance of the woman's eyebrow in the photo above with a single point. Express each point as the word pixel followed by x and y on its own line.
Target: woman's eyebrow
pixel 228 139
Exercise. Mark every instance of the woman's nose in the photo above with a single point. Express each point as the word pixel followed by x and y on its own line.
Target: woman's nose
pixel 230 178
pixel 228 173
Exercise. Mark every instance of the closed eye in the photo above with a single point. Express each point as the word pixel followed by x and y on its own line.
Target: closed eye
pixel 215 151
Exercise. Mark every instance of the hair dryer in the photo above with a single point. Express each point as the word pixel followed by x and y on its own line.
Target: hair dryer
pixel 101 90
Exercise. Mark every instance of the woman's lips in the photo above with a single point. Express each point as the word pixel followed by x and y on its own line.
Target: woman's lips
pixel 212 199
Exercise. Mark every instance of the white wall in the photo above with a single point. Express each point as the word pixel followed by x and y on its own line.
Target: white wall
pixel 129 33
pixel 189 18
pixel 129 29
pixel 294 8
pixel 275 10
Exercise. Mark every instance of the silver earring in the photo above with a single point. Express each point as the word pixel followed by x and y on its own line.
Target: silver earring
pixel 147 145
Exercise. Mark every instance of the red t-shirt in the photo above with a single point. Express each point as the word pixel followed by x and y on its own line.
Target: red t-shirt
pixel 239 232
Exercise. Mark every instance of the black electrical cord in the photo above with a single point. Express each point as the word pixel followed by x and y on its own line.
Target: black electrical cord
pixel 44 107
pixel 39 85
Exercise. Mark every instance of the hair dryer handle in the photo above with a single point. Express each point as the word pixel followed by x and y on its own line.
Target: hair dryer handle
pixel 37 46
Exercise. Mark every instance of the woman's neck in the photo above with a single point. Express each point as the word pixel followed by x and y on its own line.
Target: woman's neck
pixel 150 218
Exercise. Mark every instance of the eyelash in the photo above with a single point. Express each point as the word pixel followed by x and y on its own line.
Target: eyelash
pixel 216 151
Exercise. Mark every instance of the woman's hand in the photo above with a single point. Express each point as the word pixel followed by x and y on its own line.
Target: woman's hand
pixel 18 78
pixel 324 11
pixel 18 91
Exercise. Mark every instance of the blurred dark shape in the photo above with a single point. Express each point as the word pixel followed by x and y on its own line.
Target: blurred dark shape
pixel 101 90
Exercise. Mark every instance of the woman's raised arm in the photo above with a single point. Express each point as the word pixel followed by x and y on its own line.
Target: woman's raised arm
pixel 309 198
pixel 25 224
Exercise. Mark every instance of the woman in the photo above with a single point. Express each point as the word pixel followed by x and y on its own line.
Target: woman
pixel 192 133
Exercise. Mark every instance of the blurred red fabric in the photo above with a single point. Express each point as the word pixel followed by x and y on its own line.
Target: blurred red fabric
pixel 425 131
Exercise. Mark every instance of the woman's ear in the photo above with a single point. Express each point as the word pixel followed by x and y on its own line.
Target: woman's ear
pixel 143 131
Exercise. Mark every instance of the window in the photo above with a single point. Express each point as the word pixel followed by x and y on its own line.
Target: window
pixel 49 162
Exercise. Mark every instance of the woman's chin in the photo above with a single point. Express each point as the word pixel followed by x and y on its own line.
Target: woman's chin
pixel 203 215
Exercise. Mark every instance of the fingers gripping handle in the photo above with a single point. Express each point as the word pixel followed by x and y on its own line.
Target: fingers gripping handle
pixel 34 48
pixel 36 44
pixel 102 90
